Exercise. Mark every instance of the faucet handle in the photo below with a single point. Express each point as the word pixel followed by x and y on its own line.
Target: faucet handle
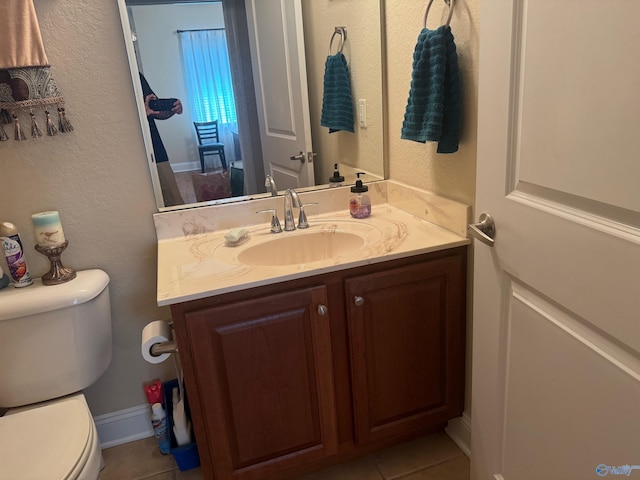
pixel 270 184
pixel 302 218
pixel 275 223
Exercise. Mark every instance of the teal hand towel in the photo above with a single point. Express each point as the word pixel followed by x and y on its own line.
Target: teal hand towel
pixel 434 107
pixel 337 101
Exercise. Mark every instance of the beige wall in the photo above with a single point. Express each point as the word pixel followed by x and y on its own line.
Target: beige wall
pixel 97 176
pixel 416 164
pixel 452 176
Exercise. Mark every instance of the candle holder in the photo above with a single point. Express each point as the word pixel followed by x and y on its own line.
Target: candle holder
pixel 58 273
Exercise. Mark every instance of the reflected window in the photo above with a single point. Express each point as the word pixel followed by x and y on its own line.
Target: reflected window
pixel 208 74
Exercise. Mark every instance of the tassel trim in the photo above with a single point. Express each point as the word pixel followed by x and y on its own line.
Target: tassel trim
pixel 51 127
pixel 11 116
pixel 35 130
pixel 3 135
pixel 5 116
pixel 19 134
pixel 63 122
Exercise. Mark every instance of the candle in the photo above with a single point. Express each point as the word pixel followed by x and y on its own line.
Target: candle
pixel 47 229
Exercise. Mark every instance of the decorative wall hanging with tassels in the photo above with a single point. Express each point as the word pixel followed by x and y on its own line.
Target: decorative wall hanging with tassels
pixel 26 84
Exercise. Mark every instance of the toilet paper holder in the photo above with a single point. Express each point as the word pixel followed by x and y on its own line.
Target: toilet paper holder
pixel 158 349
pixel 162 332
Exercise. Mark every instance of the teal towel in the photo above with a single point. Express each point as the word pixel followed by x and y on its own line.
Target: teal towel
pixel 337 101
pixel 434 107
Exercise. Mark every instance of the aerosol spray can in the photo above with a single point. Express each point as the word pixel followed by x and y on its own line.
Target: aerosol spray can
pixel 14 253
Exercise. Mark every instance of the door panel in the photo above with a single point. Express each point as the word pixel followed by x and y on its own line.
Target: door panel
pixel 407 339
pixel 265 367
pixel 576 120
pixel 564 382
pixel 279 68
pixel 555 301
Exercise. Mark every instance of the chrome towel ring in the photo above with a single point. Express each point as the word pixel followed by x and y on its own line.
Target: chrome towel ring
pixel 342 31
pixel 448 2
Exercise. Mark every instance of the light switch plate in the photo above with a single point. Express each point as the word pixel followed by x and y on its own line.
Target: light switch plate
pixel 362 112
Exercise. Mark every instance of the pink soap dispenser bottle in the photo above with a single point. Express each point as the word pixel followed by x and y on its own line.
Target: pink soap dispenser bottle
pixel 360 203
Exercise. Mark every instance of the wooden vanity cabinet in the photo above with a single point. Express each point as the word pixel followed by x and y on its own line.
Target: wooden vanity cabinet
pixel 264 377
pixel 407 347
pixel 291 377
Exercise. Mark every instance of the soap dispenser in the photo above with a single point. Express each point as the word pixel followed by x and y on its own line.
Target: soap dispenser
pixel 360 203
pixel 337 179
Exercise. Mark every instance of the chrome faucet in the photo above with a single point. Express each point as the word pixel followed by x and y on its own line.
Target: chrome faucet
pixel 270 184
pixel 291 201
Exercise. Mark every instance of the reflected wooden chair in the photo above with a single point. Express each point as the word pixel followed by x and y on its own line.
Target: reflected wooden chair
pixel 209 142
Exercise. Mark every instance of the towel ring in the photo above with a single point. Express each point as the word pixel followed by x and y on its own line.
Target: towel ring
pixel 448 2
pixel 342 31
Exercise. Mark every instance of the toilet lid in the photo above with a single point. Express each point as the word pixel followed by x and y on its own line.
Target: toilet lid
pixel 45 441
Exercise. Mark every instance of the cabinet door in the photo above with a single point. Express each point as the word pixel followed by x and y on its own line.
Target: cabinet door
pixel 265 382
pixel 407 347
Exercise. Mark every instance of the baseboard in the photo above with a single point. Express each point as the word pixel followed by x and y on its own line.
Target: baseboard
pixel 459 429
pixel 133 424
pixel 124 426
pixel 185 167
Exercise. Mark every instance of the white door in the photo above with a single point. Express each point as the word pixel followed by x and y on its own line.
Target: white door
pixel 556 333
pixel 279 68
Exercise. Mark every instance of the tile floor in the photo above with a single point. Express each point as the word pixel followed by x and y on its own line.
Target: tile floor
pixel 433 457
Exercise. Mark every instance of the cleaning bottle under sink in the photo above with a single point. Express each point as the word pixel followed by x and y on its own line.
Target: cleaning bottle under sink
pixel 160 428
pixel 360 203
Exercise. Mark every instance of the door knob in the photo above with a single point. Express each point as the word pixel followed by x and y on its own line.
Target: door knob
pixel 300 157
pixel 484 230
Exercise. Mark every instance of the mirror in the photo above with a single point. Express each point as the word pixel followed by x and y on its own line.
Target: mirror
pixel 154 35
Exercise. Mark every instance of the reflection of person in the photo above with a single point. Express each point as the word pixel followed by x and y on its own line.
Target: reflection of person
pixel 170 191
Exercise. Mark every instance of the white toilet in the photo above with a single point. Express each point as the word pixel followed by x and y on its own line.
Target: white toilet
pixel 54 341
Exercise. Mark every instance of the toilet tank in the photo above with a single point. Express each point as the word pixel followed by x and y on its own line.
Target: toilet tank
pixel 54 339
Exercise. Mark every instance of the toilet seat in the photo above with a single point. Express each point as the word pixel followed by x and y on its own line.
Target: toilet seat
pixel 53 440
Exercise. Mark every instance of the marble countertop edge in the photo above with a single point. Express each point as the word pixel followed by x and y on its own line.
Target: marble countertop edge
pixel 268 280
pixel 189 270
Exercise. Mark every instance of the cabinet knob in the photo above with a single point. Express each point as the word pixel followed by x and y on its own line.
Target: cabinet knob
pixel 358 300
pixel 322 309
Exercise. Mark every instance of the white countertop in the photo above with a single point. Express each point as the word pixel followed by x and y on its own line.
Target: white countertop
pixel 197 264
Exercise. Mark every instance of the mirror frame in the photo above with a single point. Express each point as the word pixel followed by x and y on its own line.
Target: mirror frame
pixel 244 115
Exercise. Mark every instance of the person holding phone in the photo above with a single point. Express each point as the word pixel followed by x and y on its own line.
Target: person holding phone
pixel 165 110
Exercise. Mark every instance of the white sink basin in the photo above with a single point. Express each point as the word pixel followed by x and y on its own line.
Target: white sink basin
pixel 327 242
pixel 300 248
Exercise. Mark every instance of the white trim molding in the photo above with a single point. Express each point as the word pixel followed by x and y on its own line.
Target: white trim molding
pixel 124 426
pixel 459 430
pixel 186 167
